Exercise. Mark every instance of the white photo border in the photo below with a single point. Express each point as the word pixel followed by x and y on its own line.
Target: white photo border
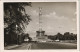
pixel 54 50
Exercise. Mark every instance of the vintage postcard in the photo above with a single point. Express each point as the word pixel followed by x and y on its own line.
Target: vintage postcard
pixel 29 26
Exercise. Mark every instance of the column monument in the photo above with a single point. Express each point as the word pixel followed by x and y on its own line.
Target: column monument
pixel 40 32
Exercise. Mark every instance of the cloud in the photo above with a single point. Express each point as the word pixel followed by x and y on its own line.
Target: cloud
pixel 34 12
pixel 74 19
pixel 50 14
pixel 73 29
pixel 54 15
pixel 75 13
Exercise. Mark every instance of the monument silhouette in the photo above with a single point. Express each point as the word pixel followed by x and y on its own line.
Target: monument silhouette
pixel 40 33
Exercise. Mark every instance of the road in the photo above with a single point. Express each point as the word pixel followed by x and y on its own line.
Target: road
pixel 46 45
pixel 54 45
pixel 24 46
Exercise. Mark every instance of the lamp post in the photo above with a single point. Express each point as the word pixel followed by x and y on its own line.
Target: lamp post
pixel 16 33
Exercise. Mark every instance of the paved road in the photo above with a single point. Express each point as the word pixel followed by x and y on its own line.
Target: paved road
pixel 54 45
pixel 24 46
pixel 46 45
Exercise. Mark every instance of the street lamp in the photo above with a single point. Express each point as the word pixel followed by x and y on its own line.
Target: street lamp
pixel 16 33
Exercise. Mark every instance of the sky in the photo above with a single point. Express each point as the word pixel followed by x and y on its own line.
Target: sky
pixel 56 17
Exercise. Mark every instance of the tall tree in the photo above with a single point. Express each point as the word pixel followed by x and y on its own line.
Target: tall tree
pixel 15 16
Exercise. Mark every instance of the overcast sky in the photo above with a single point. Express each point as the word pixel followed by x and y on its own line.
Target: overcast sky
pixel 56 17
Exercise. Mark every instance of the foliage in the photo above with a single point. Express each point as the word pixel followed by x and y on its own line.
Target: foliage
pixel 15 14
pixel 15 18
pixel 65 36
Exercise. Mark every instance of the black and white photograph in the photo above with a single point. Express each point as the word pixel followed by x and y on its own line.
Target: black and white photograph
pixel 40 25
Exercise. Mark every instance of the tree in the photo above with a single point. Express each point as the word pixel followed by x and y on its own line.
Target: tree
pixel 14 14
pixel 73 36
pixel 69 36
pixel 14 18
pixel 59 36
pixel 30 39
pixel 51 37
pixel 66 36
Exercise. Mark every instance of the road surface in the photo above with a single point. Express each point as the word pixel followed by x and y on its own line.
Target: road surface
pixel 46 45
